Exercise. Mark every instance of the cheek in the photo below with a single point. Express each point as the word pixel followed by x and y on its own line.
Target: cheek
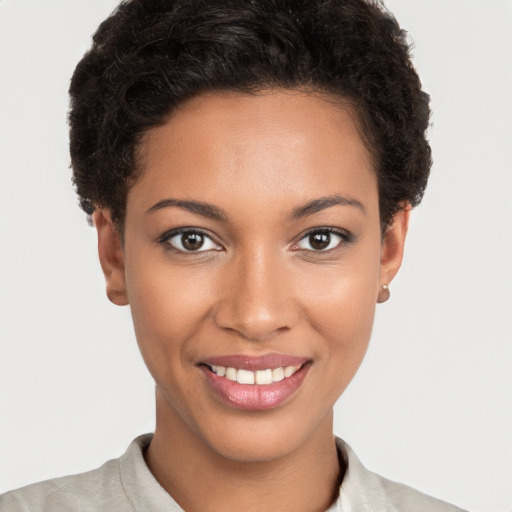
pixel 346 326
pixel 342 312
pixel 343 296
pixel 344 317
pixel 167 305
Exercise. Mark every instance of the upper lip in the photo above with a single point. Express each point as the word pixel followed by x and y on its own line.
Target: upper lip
pixel 254 363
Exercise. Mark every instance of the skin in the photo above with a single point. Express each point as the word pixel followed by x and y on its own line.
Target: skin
pixel 260 288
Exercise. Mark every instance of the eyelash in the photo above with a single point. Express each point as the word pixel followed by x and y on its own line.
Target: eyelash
pixel 168 235
pixel 345 236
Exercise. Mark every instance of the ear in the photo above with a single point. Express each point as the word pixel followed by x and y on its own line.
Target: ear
pixel 392 250
pixel 110 250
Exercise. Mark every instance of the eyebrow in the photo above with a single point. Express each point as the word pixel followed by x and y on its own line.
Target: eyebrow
pixel 317 205
pixel 214 212
pixel 204 209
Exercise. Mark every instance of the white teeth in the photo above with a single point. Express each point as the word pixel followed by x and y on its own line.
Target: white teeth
pixel 289 371
pixel 260 377
pixel 231 374
pixel 264 377
pixel 245 377
pixel 277 374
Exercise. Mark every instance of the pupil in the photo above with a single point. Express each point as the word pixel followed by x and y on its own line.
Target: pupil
pixel 192 241
pixel 320 240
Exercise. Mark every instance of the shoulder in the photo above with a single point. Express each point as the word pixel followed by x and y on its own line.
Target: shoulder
pixel 85 492
pixel 102 489
pixel 120 485
pixel 363 490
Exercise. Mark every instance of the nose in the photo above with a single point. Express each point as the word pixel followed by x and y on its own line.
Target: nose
pixel 256 297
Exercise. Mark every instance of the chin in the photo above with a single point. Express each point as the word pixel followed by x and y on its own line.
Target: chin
pixel 261 449
pixel 263 437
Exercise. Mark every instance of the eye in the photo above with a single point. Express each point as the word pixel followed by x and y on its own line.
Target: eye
pixel 322 240
pixel 189 240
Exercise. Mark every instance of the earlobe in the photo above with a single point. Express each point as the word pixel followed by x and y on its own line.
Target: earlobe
pixel 110 251
pixel 393 250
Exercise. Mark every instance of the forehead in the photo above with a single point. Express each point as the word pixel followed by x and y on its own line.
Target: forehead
pixel 275 146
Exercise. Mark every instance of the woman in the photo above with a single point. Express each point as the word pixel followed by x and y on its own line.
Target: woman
pixel 250 168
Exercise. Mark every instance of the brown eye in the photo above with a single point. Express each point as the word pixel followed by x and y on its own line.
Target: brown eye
pixel 321 240
pixel 190 241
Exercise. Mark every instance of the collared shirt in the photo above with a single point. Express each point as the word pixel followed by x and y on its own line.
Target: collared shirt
pixel 127 485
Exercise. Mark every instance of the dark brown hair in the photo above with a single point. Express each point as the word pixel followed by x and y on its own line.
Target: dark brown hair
pixel 151 55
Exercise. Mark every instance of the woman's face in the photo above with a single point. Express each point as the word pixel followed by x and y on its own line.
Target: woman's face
pixel 252 262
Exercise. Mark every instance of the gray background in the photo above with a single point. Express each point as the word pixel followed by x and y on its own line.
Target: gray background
pixel 431 405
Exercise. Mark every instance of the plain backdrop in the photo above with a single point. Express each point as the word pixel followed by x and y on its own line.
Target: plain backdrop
pixel 431 405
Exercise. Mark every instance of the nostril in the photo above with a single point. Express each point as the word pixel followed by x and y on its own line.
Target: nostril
pixel 255 304
pixel 252 329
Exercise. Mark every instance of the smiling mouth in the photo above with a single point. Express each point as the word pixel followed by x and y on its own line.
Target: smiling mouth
pixel 255 383
pixel 260 377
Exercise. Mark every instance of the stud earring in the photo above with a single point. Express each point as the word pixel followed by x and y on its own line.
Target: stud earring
pixel 384 294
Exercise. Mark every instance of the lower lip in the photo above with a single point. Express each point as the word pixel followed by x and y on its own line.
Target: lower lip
pixel 254 397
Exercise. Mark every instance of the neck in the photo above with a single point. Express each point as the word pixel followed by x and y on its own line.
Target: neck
pixel 193 473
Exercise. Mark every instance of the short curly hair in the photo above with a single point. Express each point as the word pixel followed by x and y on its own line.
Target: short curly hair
pixel 150 56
